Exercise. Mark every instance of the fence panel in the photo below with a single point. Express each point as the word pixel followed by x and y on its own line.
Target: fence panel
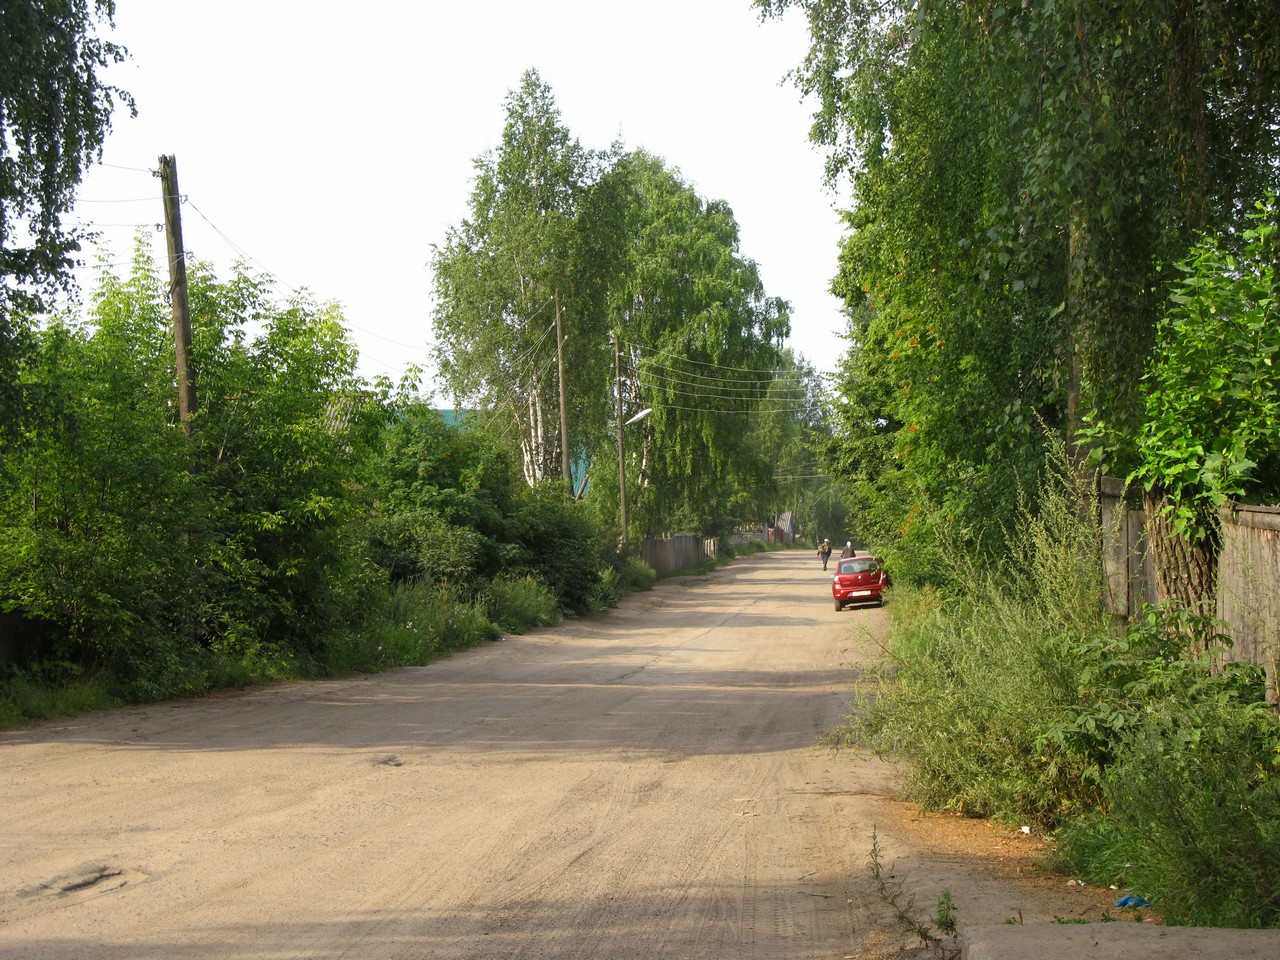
pixel 1248 584
pixel 1130 579
pixel 683 550
pixel 1248 575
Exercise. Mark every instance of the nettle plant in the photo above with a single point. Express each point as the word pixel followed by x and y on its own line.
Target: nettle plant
pixel 1213 385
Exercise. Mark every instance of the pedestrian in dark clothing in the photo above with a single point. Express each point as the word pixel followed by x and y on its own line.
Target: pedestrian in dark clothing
pixel 847 552
pixel 824 552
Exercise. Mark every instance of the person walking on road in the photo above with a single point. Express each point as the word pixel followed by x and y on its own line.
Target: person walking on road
pixel 847 552
pixel 824 552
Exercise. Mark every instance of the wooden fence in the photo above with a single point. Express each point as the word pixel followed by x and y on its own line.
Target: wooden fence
pixel 1248 584
pixel 1248 575
pixel 676 553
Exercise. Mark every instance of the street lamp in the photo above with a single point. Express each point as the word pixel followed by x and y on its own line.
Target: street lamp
pixel 622 463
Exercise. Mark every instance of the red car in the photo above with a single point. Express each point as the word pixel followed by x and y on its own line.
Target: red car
pixel 858 580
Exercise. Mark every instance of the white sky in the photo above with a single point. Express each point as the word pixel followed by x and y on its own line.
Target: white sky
pixel 332 143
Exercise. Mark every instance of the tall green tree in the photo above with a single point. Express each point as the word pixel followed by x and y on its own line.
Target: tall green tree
pixel 790 429
pixel 55 111
pixel 513 267
pixel 1022 175
pixel 700 345
pixel 99 494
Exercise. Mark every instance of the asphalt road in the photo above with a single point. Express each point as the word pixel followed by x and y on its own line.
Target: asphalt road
pixel 644 783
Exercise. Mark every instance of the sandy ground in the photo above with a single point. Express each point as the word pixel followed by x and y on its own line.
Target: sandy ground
pixel 644 783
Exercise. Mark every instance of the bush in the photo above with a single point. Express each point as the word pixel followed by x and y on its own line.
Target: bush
pixel 556 542
pixel 634 575
pixel 627 575
pixel 974 677
pixel 516 604
pixel 44 691
pixel 409 625
pixel 1192 816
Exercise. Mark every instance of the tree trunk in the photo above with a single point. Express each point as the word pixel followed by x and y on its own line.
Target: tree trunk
pixel 1185 571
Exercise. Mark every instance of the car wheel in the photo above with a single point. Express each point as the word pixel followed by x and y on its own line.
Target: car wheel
pixel 839 606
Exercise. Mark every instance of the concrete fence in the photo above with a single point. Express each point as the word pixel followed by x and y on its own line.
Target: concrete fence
pixel 1248 588
pixel 668 554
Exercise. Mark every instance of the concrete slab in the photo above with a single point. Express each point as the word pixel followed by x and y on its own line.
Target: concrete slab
pixel 1116 941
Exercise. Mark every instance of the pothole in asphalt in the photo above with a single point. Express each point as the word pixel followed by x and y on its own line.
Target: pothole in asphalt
pixel 391 761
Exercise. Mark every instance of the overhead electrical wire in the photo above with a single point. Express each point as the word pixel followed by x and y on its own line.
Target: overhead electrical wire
pixel 764 371
pixel 238 249
pixel 714 388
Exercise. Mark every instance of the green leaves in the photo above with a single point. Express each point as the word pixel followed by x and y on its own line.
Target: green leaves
pixel 143 546
pixel 517 266
pixel 1212 389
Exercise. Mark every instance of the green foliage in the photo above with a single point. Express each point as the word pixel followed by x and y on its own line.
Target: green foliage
pixel 635 575
pixel 1021 175
pixel 789 430
pixel 700 347
pixel 638 270
pixel 1167 655
pixel 518 264
pixel 45 691
pixel 159 558
pixel 1012 695
pixel 410 624
pixel 1213 383
pixel 893 893
pixel 98 493
pixel 449 508
pixel 945 914
pixel 975 676
pixel 1192 814
pixel 555 541
pixel 56 112
pixel 516 604
pixel 628 575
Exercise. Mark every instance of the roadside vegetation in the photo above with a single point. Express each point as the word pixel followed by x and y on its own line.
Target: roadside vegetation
pixel 1011 694
pixel 1061 260
pixel 304 522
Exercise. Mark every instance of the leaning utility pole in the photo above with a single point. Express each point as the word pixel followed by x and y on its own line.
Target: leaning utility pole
pixel 178 290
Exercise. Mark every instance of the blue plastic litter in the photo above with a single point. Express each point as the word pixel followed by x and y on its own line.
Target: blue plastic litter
pixel 1134 901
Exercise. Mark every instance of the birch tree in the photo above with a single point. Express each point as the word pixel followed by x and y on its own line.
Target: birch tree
pixel 506 271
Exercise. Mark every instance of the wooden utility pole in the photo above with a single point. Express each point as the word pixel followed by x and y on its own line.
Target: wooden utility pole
pixel 564 403
pixel 622 457
pixel 178 290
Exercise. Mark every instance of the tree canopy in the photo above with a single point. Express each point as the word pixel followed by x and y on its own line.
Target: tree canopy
pixel 660 309
pixel 55 112
pixel 1024 177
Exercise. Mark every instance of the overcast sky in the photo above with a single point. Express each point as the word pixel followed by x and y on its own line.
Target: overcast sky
pixel 331 143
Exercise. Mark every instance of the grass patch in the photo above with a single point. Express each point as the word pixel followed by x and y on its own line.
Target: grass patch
pixel 25 697
pixel 413 624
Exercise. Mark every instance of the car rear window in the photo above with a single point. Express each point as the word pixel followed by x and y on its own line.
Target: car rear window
pixel 859 566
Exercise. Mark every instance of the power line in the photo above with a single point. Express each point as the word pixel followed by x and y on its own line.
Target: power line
pixel 116 166
pixel 123 200
pixel 765 371
pixel 693 377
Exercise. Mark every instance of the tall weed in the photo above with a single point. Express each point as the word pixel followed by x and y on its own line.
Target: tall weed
pixel 411 624
pixel 973 676
pixel 1191 802
pixel 517 604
